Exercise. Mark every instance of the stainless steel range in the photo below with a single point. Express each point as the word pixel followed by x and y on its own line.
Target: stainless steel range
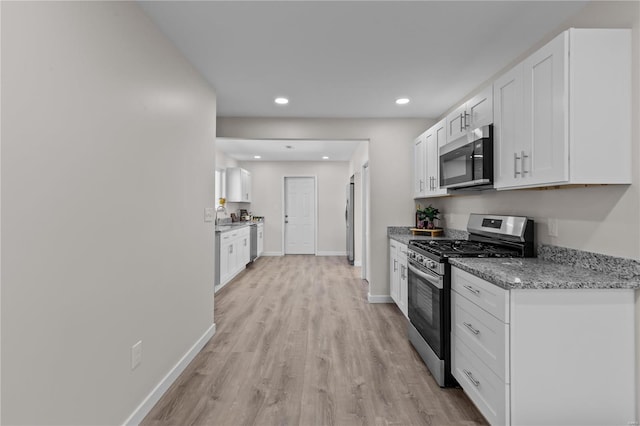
pixel 430 281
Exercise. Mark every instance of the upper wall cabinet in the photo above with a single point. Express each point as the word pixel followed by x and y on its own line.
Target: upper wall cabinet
pixel 419 166
pixel 238 185
pixel 426 166
pixel 476 112
pixel 563 115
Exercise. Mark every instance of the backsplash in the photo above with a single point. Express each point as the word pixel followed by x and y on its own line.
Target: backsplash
pixel 619 266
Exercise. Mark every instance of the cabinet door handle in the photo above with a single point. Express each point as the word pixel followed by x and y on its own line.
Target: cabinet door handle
pixel 471 378
pixel 466 124
pixel 522 157
pixel 461 125
pixel 421 183
pixel 471 289
pixel 470 327
pixel 230 249
pixel 515 165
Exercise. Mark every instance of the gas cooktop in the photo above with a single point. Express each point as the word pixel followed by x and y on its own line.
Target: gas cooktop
pixel 462 248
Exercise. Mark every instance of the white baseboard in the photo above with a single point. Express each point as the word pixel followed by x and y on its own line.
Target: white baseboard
pixel 272 253
pixel 331 253
pixel 377 298
pixel 357 263
pixel 147 404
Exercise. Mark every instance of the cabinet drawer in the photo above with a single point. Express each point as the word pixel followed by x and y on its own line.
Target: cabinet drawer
pixel 484 334
pixel 487 391
pixel 489 297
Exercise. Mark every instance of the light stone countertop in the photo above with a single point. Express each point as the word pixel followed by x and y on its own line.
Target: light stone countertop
pixel 403 234
pixel 235 226
pixel 536 273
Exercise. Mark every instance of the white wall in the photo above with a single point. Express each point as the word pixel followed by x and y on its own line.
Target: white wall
pixel 107 165
pixel 267 192
pixel 389 159
pixel 359 158
pixel 598 219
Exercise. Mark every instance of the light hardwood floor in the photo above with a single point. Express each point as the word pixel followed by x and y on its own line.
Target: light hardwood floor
pixel 298 344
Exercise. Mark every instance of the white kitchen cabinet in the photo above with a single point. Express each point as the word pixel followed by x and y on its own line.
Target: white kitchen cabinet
pixel 403 281
pixel 260 239
pixel 244 248
pixel 436 137
pixel 474 113
pixel 238 185
pixel 563 115
pixel 394 271
pixel 233 254
pixel 426 162
pixel 419 166
pixel 398 275
pixel 532 357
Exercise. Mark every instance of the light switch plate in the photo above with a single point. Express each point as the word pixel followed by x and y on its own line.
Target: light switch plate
pixel 552 224
pixel 209 214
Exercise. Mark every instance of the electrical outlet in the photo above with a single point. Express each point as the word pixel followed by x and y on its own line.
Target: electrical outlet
pixel 552 224
pixel 136 355
pixel 209 214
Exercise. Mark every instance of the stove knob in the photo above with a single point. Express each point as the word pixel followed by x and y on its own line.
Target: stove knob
pixel 431 264
pixel 420 259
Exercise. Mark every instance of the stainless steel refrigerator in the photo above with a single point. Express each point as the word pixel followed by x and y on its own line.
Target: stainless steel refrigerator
pixel 348 216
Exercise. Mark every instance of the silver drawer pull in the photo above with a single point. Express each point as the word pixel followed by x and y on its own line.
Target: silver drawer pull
pixel 471 378
pixel 471 289
pixel 470 327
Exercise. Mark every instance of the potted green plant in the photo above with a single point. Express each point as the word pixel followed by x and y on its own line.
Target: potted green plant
pixel 428 214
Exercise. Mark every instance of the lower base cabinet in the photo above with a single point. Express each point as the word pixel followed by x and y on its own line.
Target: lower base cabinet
pixel 233 254
pixel 398 275
pixel 544 357
pixel 260 239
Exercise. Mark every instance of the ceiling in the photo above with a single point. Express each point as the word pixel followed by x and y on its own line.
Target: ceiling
pixel 352 58
pixel 288 150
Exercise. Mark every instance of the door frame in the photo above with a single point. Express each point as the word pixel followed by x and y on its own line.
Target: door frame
pixel 315 213
pixel 365 224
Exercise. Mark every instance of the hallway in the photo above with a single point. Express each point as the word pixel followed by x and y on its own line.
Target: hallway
pixel 297 343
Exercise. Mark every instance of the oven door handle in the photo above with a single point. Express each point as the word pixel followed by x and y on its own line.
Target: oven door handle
pixel 433 279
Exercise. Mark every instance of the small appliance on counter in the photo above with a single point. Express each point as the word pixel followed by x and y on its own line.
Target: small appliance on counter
pixel 429 276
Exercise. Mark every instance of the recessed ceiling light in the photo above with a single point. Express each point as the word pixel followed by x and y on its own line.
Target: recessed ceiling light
pixel 402 101
pixel 257 157
pixel 289 147
pixel 325 157
pixel 281 101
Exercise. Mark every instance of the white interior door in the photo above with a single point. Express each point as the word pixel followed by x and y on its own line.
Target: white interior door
pixel 300 215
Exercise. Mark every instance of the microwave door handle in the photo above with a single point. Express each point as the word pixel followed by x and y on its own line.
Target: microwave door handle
pixel 433 279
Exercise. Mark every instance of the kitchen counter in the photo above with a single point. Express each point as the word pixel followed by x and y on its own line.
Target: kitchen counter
pixel 403 234
pixel 536 273
pixel 234 226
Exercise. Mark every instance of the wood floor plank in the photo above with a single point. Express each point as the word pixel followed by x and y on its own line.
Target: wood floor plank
pixel 297 343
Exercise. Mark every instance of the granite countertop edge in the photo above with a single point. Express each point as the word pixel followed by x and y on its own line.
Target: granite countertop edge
pixel 540 274
pixel 235 226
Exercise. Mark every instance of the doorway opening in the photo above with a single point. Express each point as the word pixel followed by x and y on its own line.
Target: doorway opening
pixel 300 213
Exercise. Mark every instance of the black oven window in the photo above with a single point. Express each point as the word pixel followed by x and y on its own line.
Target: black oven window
pixel 425 313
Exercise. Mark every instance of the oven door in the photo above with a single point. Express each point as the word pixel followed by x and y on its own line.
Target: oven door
pixel 426 310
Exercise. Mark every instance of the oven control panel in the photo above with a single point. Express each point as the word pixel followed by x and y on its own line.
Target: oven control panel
pixel 426 262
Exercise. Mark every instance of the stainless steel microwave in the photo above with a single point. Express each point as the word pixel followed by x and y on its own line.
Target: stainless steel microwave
pixel 468 162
